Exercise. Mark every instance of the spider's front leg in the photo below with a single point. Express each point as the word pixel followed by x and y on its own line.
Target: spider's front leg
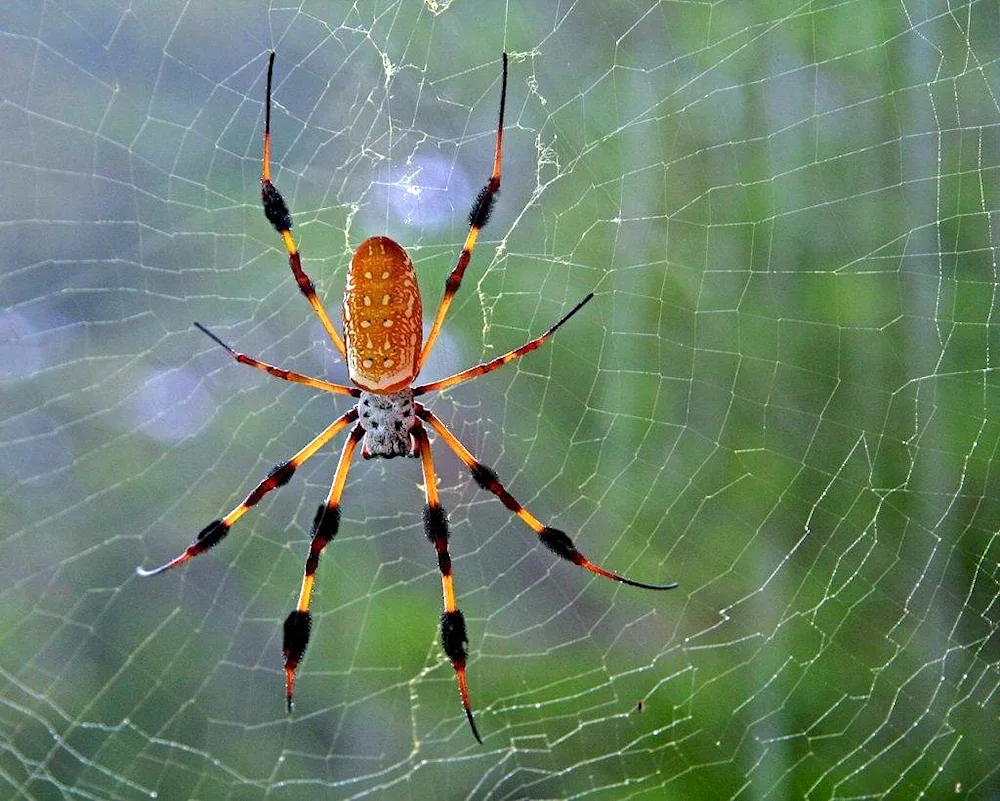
pixel 216 531
pixel 557 541
pixel 325 525
pixel 453 635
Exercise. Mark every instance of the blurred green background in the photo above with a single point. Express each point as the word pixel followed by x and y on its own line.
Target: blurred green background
pixel 784 396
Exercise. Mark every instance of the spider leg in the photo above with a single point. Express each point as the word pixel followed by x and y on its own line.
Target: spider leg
pixel 324 529
pixel 499 361
pixel 215 532
pixel 276 211
pixel 453 636
pixel 278 372
pixel 552 538
pixel 478 217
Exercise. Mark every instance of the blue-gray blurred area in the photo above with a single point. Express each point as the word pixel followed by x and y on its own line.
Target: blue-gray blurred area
pixel 784 396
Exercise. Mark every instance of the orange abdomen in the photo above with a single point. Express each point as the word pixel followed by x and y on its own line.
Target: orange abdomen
pixel 383 318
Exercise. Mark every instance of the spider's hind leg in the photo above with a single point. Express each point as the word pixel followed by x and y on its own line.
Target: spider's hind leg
pixel 277 213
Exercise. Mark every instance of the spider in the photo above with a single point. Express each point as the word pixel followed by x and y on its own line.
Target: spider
pixel 382 326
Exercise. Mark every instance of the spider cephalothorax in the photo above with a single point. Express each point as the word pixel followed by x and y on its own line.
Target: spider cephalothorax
pixel 382 346
pixel 387 421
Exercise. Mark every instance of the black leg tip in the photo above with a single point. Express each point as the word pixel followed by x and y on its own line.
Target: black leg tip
pixel 296 636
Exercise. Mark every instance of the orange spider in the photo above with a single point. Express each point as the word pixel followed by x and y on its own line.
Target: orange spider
pixel 383 332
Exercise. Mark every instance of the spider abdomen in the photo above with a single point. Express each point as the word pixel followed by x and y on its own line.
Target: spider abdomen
pixel 383 318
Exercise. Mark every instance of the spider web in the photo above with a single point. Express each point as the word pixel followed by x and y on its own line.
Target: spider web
pixel 784 396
